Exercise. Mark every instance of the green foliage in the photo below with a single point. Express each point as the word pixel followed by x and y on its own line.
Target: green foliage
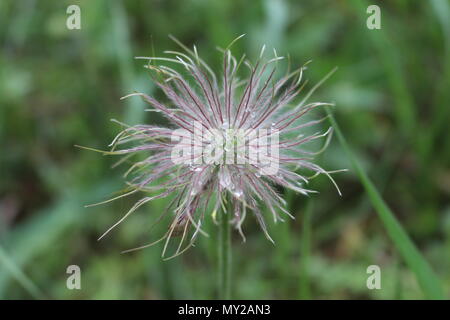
pixel 60 87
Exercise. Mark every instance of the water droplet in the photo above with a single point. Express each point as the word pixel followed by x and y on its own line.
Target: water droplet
pixel 225 178
pixel 238 193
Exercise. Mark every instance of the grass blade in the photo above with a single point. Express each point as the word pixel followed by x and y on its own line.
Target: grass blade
pixel 426 278
pixel 18 274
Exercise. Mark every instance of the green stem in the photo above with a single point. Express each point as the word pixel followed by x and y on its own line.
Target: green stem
pixel 304 292
pixel 225 256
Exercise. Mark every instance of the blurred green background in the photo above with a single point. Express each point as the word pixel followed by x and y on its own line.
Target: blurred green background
pixel 60 87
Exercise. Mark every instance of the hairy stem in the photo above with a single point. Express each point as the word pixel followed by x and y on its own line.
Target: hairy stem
pixel 225 256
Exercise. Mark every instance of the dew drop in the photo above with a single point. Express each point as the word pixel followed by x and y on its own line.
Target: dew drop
pixel 225 178
pixel 238 193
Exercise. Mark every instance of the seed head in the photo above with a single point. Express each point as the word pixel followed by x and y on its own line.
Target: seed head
pixel 231 141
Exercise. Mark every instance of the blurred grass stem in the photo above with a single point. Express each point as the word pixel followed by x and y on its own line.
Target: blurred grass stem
pixel 425 276
pixel 19 275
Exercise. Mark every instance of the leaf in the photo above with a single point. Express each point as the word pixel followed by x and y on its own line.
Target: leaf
pixel 427 279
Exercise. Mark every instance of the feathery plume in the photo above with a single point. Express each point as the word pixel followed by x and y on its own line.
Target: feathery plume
pixel 230 142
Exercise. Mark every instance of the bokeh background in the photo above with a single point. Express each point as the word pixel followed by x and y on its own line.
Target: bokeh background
pixel 60 87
